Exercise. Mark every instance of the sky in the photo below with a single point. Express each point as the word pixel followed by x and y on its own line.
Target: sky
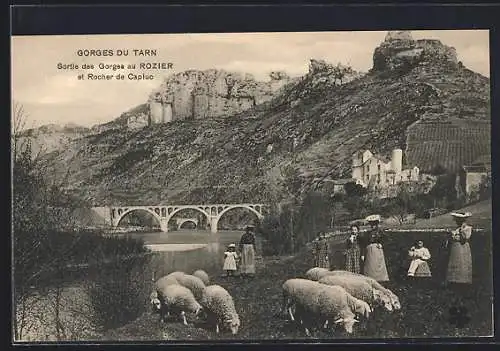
pixel 52 95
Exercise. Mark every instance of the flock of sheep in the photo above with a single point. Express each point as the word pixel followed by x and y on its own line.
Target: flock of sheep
pixel 323 296
pixel 179 292
pixel 335 296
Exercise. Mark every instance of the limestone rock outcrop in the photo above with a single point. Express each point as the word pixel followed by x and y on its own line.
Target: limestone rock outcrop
pixel 400 51
pixel 210 94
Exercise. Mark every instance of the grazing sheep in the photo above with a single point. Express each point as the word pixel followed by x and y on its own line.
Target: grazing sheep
pixel 219 307
pixel 360 289
pixel 316 273
pixel 375 285
pixel 295 289
pixel 155 297
pixel 202 275
pixel 176 274
pixel 193 283
pixel 177 298
pixel 336 304
pixel 314 299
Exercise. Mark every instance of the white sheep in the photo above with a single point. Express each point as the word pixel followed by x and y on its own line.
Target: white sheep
pixel 295 289
pixel 159 285
pixel 335 303
pixel 373 283
pixel 316 273
pixel 177 298
pixel 219 306
pixel 176 274
pixel 193 283
pixel 328 302
pixel 202 275
pixel 360 289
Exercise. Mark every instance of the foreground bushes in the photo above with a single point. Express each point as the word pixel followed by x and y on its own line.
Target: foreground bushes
pixel 107 273
pixel 118 290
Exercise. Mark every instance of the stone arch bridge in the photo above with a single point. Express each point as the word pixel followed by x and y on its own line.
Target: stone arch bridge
pixel 163 214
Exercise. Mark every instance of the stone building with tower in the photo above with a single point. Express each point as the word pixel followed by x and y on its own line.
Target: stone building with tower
pixel 378 172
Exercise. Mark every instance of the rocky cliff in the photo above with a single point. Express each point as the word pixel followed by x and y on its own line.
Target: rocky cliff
pixel 209 94
pixel 313 124
pixel 52 137
pixel 400 52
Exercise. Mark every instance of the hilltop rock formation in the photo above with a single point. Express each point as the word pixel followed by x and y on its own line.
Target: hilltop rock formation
pixel 399 51
pixel 209 94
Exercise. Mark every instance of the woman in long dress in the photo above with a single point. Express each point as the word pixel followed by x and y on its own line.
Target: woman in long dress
pixel 247 252
pixel 460 259
pixel 352 252
pixel 373 252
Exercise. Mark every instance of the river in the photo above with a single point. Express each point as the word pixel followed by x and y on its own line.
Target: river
pixel 187 250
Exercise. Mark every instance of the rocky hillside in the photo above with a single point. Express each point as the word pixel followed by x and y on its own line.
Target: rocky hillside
pixel 327 118
pixel 52 137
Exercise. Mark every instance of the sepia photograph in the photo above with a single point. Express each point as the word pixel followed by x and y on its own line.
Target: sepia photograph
pixel 251 186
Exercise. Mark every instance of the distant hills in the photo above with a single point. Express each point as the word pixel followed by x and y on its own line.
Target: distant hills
pixel 417 97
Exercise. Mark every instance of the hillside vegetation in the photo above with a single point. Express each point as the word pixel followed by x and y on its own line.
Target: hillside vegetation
pixel 437 110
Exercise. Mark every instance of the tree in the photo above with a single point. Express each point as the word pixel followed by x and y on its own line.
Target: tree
pixel 355 201
pixel 408 200
pixel 314 216
pixel 292 185
pixel 354 190
pixel 438 169
pixel 275 229
pixel 40 208
pixel 444 190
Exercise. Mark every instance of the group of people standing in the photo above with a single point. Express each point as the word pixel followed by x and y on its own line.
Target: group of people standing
pixel 243 259
pixel 365 253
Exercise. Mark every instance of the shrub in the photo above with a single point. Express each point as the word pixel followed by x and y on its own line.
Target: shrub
pixel 275 230
pixel 118 290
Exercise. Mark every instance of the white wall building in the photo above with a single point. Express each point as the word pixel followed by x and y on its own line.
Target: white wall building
pixel 378 172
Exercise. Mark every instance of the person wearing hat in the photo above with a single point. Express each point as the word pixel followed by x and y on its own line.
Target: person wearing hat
pixel 373 252
pixel 247 252
pixel 230 257
pixel 460 258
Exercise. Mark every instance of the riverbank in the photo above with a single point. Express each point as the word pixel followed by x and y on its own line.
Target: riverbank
pixel 427 311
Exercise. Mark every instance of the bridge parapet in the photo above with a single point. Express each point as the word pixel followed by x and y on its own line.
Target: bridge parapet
pixel 163 213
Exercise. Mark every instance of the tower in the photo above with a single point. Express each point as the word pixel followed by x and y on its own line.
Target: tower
pixel 397 160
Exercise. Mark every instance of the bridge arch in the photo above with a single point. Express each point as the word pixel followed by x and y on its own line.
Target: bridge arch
pixel 187 220
pixel 248 207
pixel 180 208
pixel 134 209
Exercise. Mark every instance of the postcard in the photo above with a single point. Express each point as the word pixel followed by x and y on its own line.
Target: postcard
pixel 251 186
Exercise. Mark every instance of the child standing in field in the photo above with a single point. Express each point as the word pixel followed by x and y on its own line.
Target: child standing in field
pixel 230 257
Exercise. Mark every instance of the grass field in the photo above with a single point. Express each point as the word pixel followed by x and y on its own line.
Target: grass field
pixel 426 310
pixel 481 218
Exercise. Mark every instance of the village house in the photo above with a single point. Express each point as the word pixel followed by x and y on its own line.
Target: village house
pixel 338 185
pixel 472 176
pixel 377 172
